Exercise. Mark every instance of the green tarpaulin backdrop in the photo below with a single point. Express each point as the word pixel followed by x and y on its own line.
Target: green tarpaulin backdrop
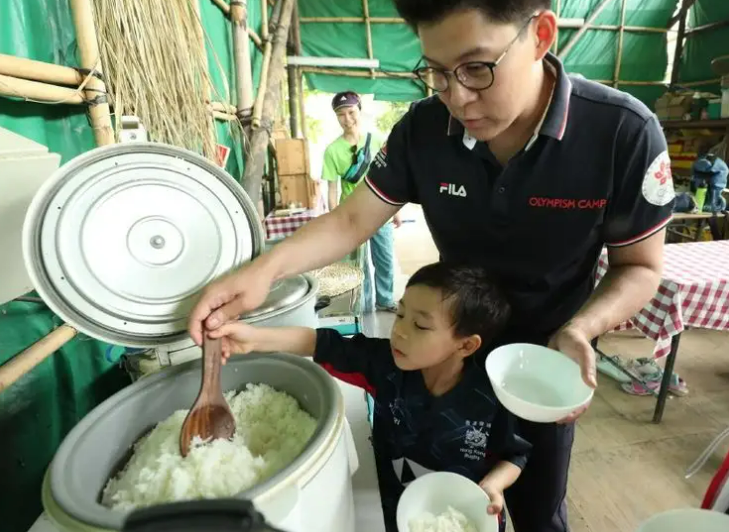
pixel 395 45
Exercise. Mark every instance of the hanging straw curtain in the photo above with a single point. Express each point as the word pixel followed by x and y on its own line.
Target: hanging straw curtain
pixel 156 68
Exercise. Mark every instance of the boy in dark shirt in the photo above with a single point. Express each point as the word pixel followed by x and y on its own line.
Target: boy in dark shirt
pixel 435 409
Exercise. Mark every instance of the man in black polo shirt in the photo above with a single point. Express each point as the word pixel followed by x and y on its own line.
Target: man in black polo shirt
pixel 517 167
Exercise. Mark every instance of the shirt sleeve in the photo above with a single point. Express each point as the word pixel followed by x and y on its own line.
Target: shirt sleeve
pixel 329 167
pixel 643 194
pixel 357 360
pixel 504 441
pixel 390 176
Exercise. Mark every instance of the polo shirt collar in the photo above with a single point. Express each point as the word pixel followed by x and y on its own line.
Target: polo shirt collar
pixel 554 122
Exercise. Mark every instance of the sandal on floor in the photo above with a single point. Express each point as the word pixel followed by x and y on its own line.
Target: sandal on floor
pixel 677 387
pixel 608 369
pixel 647 368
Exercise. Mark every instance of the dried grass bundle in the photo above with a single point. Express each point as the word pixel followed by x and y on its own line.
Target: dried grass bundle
pixel 156 68
pixel 338 278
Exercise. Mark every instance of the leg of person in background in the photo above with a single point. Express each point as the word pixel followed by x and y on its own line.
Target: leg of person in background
pixel 382 252
pixel 368 298
pixel 537 501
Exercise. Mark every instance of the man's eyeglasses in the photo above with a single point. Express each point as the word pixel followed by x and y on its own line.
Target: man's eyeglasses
pixel 474 75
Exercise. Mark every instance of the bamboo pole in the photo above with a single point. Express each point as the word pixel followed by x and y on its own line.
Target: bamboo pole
pixel 564 23
pixel 632 83
pixel 223 5
pixel 39 92
pixel 374 20
pixel 255 38
pixel 356 73
pixel 683 13
pixel 700 83
pixel 368 33
pixel 225 8
pixel 261 136
pixel 242 57
pixel 275 15
pixel 20 365
pixel 225 117
pixel 558 12
pixel 628 29
pixel 294 78
pixel 223 107
pixel 264 20
pixel 258 105
pixel 298 50
pixel 707 27
pixel 20 67
pixel 88 49
pixel 621 35
pixel 586 26
pixel 262 84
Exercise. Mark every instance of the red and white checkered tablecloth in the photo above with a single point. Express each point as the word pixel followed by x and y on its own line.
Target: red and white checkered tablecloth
pixel 279 227
pixel 694 292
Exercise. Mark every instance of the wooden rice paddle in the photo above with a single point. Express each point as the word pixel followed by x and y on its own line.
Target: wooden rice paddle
pixel 210 417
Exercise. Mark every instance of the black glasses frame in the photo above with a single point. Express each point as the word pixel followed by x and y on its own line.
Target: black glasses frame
pixel 424 73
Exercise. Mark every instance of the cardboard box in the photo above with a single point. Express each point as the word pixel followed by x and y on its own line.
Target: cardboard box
pixel 292 156
pixel 298 190
pixel 674 105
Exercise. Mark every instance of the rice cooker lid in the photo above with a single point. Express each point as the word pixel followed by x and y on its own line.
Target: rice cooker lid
pixel 119 240
pixel 284 293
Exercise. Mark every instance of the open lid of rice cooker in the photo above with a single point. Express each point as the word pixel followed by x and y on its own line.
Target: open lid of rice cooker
pixel 119 240
pixel 283 293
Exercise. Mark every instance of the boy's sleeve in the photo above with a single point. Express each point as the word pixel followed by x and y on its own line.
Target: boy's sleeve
pixel 643 194
pixel 359 360
pixel 329 167
pixel 505 442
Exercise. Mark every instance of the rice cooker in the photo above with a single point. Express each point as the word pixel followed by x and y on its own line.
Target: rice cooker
pixel 118 242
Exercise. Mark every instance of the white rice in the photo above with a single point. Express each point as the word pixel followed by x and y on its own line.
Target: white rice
pixel 449 521
pixel 271 431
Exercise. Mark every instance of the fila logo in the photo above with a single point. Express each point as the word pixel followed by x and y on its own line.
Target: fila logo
pixel 453 190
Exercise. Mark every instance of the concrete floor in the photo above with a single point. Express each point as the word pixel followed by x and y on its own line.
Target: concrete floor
pixel 624 468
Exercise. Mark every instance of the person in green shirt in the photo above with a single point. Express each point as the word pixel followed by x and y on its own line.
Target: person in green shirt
pixel 338 158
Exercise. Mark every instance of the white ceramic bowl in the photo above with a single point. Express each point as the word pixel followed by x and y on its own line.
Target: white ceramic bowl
pixel 536 383
pixel 687 520
pixel 435 492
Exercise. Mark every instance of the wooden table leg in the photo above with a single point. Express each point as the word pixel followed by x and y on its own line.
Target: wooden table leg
pixel 699 228
pixel 666 382
pixel 714 226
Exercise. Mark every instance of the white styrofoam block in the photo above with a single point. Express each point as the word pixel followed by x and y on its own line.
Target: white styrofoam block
pixel 13 145
pixel 24 167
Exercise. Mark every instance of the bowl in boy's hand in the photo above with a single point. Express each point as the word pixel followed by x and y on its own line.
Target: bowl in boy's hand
pixel 448 496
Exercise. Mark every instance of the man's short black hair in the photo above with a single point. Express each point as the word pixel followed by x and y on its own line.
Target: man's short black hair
pixel 476 304
pixel 417 12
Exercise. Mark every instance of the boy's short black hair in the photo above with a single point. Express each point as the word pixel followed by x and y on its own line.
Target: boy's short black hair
pixel 507 11
pixel 477 305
